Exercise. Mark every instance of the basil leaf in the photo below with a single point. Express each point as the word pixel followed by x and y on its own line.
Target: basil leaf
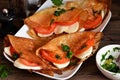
pixel 52 20
pixel 69 54
pixel 4 71
pixel 15 56
pixel 65 47
pixel 57 56
pixel 57 2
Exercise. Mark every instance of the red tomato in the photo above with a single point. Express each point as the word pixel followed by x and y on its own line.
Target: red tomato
pixel 45 29
pixel 50 56
pixel 12 50
pixel 85 47
pixel 27 63
pixel 49 29
pixel 90 42
pixel 93 23
pixel 67 23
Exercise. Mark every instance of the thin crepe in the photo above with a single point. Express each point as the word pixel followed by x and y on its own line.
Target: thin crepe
pixel 74 41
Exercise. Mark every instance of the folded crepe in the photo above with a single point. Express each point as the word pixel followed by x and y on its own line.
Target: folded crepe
pixel 26 58
pixel 31 52
pixel 72 17
pixel 21 44
pixel 40 18
pixel 74 41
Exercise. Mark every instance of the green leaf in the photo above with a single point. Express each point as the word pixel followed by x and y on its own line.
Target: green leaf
pixel 52 20
pixel 15 56
pixel 65 47
pixel 4 74
pixel 83 46
pixel 111 57
pixel 57 2
pixel 103 56
pixel 73 63
pixel 116 48
pixel 57 56
pixel 4 71
pixel 69 54
pixel 110 65
pixel 59 12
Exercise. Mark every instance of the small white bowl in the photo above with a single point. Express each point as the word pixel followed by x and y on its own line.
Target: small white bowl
pixel 115 54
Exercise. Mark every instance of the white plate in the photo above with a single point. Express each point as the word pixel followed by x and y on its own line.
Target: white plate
pixel 69 73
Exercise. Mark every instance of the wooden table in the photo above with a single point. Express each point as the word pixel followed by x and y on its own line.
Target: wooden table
pixel 88 70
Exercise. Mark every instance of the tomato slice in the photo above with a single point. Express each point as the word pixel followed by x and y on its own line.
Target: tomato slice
pixel 27 63
pixel 51 56
pixel 67 23
pixel 45 29
pixel 85 47
pixel 90 42
pixel 68 18
pixel 12 50
pixel 93 23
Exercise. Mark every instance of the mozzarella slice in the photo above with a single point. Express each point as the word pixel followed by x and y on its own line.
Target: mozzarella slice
pixel 82 29
pixel 45 35
pixel 62 65
pixel 19 65
pixel 102 13
pixel 68 29
pixel 85 54
pixel 60 29
pixel 7 51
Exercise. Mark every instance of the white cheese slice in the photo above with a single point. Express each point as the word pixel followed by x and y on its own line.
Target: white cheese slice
pixel 45 35
pixel 61 65
pixel 85 53
pixel 7 51
pixel 19 65
pixel 102 13
pixel 82 29
pixel 68 29
pixel 60 29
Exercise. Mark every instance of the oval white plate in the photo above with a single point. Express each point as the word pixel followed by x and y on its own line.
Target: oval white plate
pixel 66 74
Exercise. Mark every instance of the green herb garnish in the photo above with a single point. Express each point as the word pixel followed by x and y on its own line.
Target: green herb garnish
pixel 52 20
pixel 73 62
pixel 72 8
pixel 57 2
pixel 110 66
pixel 59 12
pixel 69 54
pixel 104 55
pixel 116 48
pixel 57 56
pixel 66 48
pixel 15 56
pixel 83 46
pixel 96 12
pixel 109 62
pixel 111 57
pixel 4 71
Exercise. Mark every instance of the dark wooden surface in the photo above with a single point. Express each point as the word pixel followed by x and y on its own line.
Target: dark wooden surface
pixel 88 70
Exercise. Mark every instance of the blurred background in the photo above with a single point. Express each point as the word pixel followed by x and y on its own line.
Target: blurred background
pixel 13 13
